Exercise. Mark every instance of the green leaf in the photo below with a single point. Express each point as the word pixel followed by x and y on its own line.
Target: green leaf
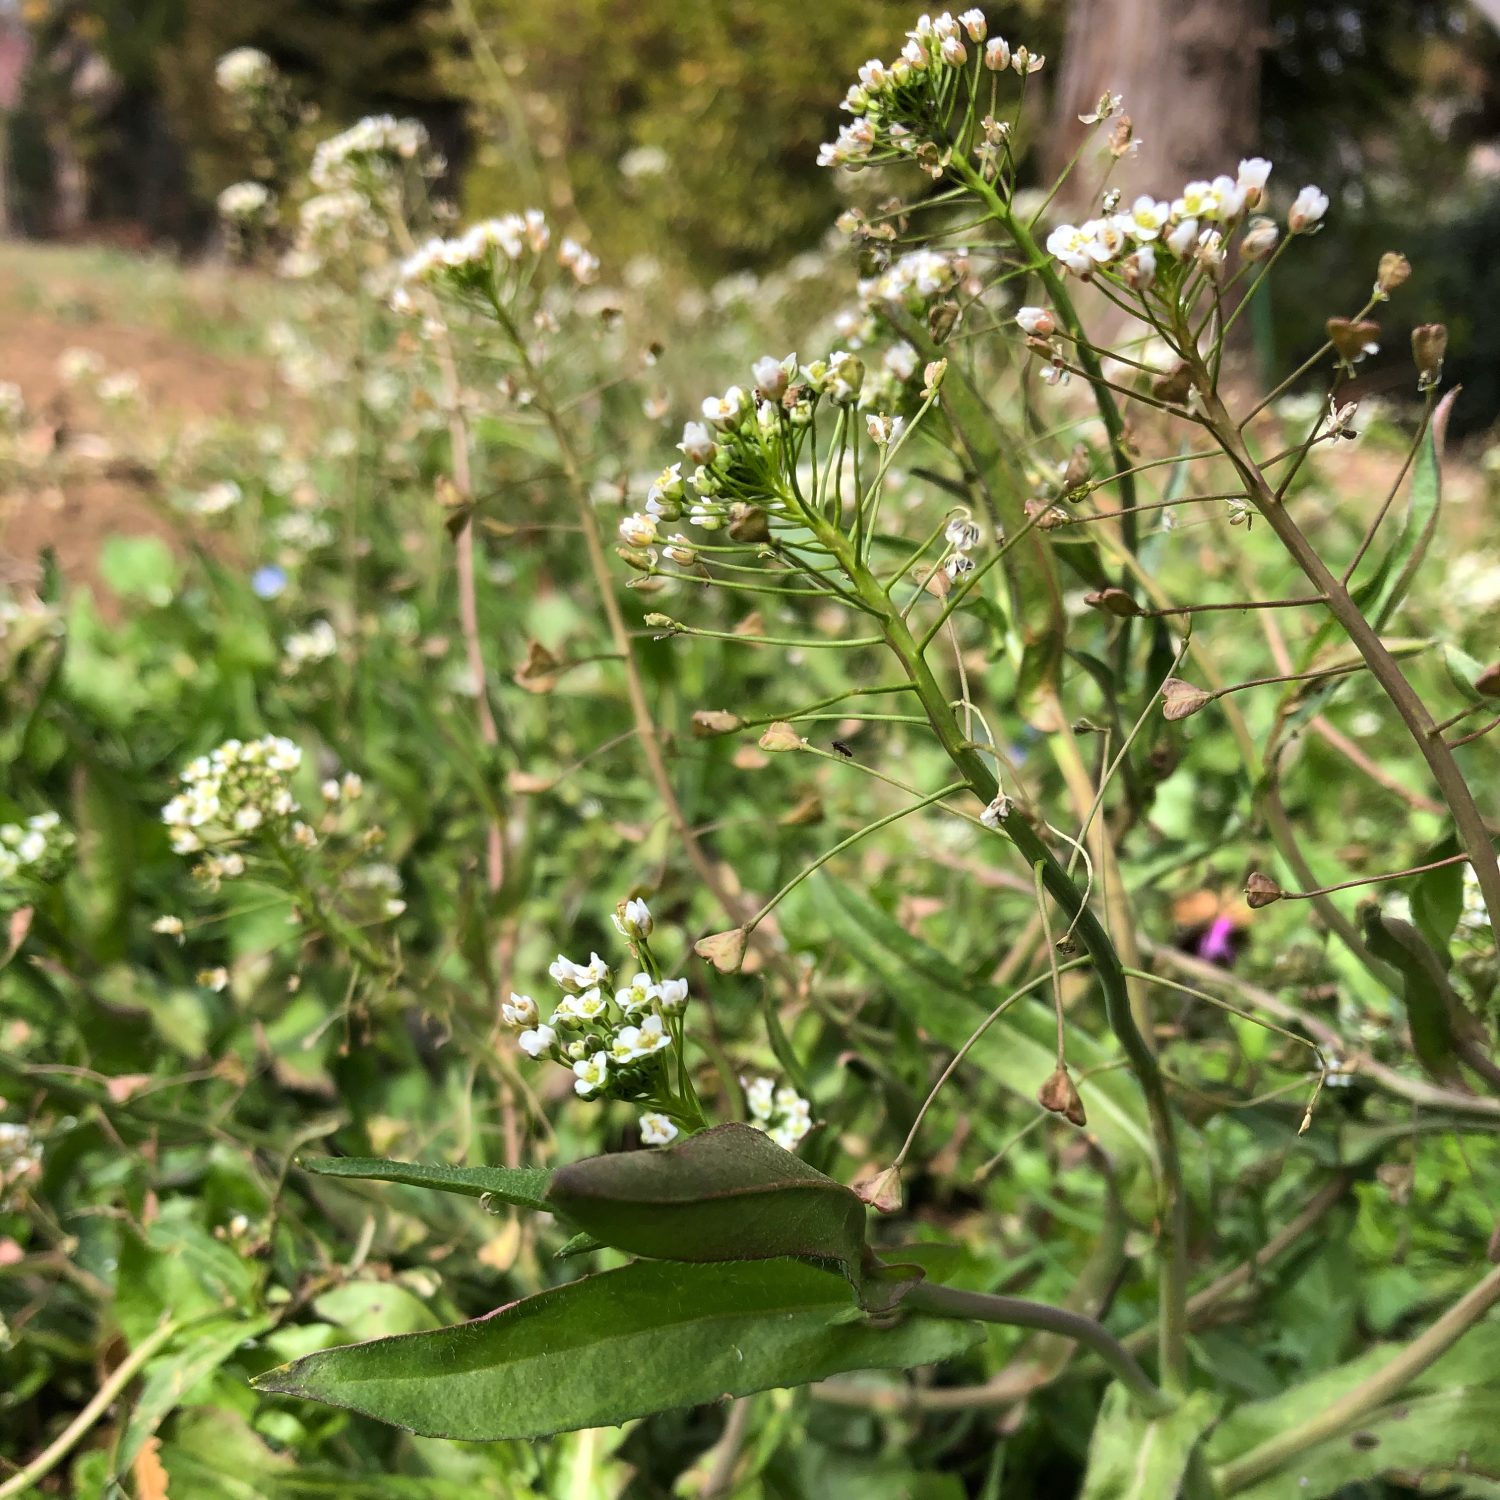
pixel 1430 1001
pixel 730 1193
pixel 526 1187
pixel 1437 898
pixel 597 1352
pixel 1443 1436
pixel 1135 1457
pixel 1020 1048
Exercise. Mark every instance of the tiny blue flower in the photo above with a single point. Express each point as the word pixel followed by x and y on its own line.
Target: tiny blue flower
pixel 268 581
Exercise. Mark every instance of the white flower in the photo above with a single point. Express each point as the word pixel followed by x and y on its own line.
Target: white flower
pixel 638 530
pixel 953 52
pixel 635 921
pixel 519 1011
pixel 1024 61
pixel 214 979
pixel 959 564
pixel 1183 237
pixel 961 534
pixel 657 1129
pixel 901 360
pixel 760 1097
pixel 725 410
pixel 673 994
pixel 592 1073
pixel 637 995
pixel 1253 173
pixel 538 1040
pixel 997 54
pixel 1139 268
pixel 632 1042
pixel 698 445
pixel 772 376
pixel 245 202
pixel 580 1009
pixel 707 515
pixel 974 23
pixel 1197 202
pixel 584 264
pixel 1146 219
pixel 168 926
pixel 680 550
pixel 1073 246
pixel 1307 210
pixel 566 973
pixel 1036 321
pixel 243 69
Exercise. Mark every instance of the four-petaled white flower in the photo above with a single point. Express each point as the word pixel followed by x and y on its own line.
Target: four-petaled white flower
pixel 538 1040
pixel 657 1129
pixel 591 1073
pixel 644 1040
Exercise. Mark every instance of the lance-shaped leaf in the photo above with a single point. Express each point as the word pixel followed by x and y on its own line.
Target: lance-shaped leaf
pixel 649 1337
pixel 1432 1006
pixel 730 1193
pixel 526 1187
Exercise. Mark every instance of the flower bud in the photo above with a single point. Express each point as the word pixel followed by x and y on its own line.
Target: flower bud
pixel 633 919
pixel 1038 322
pixel 1260 238
pixel 1060 1095
pixel 1429 343
pixel 1393 271
pixel 997 54
pixel 932 377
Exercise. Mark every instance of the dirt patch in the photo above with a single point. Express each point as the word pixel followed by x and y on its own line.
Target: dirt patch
pixel 72 490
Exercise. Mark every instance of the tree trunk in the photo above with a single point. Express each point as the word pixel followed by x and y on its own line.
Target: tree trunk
pixel 1189 71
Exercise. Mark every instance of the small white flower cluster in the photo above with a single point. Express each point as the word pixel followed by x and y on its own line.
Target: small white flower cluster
pixel 33 852
pixel 78 366
pixel 895 103
pixel 1193 227
pixel 469 261
pixel 235 790
pixel 909 283
pixel 339 227
pixel 20 1157
pixel 317 643
pixel 782 1113
pixel 244 70
pixel 369 151
pixel 245 204
pixel 745 450
pixel 120 388
pixel 610 1033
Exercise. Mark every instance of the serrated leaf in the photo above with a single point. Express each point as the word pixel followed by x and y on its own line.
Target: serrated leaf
pixel 1135 1457
pixel 649 1337
pixel 727 1194
pixel 526 1187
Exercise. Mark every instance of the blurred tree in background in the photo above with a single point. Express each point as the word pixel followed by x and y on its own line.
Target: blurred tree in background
pixel 687 135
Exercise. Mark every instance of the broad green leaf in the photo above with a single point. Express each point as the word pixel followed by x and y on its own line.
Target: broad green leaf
pixel 1430 1001
pixel 367 1309
pixel 1444 1436
pixel 597 1352
pixel 1437 898
pixel 526 1187
pixel 730 1193
pixel 1019 1050
pixel 1135 1457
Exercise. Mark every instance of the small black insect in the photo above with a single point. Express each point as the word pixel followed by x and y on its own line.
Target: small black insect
pixel 843 749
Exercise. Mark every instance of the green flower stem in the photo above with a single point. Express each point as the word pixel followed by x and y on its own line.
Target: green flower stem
pixel 1376 1389
pixel 1062 303
pixel 1383 666
pixel 1017 1312
pixel 1171 1200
